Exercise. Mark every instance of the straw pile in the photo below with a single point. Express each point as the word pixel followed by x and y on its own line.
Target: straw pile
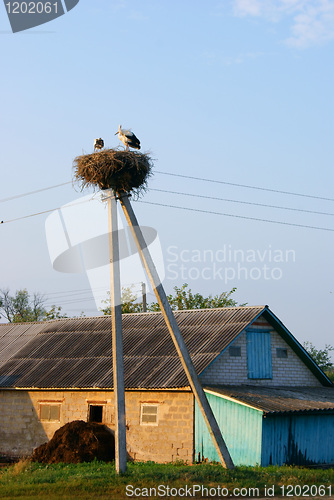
pixel 116 169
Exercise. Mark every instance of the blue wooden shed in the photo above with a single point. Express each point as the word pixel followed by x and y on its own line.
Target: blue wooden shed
pixel 264 426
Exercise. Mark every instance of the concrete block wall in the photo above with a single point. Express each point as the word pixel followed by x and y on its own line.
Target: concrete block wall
pixel 290 371
pixel 170 440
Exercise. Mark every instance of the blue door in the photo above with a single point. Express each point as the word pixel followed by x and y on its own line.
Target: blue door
pixel 259 354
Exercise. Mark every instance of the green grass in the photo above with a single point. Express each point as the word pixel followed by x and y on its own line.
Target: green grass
pixel 27 480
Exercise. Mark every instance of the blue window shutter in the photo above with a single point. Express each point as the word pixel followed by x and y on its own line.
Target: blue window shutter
pixel 259 354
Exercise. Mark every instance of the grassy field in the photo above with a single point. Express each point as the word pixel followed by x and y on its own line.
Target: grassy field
pixel 27 480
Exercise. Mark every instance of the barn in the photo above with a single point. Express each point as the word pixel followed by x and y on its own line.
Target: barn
pixel 273 404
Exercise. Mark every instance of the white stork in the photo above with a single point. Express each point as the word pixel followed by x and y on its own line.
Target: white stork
pixel 128 138
pixel 98 144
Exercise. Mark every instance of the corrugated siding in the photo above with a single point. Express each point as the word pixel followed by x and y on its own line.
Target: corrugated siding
pixel 241 427
pixel 298 440
pixel 259 354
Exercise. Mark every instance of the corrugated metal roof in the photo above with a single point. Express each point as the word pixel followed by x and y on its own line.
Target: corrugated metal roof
pixel 14 336
pixel 78 352
pixel 280 400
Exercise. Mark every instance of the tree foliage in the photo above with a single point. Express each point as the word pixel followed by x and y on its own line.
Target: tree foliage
pixel 129 302
pixel 321 356
pixel 23 307
pixel 183 298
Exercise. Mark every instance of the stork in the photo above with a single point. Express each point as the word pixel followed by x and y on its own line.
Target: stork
pixel 98 144
pixel 128 138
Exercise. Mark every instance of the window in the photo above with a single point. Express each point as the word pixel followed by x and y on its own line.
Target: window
pixel 281 352
pixel 235 352
pixel 49 412
pixel 95 413
pixel 149 414
pixel 259 354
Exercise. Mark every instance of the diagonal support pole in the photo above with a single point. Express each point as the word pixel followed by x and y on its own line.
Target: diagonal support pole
pixel 175 333
pixel 117 339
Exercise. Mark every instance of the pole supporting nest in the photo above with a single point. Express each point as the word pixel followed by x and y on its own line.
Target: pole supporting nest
pixel 117 338
pixel 175 333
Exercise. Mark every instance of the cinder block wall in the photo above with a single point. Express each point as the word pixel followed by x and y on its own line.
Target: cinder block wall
pixel 290 371
pixel 171 439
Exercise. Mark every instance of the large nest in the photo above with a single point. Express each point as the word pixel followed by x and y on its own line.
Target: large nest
pixel 114 169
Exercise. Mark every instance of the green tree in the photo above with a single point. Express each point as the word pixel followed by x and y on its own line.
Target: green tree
pixel 129 302
pixel 321 356
pixel 23 307
pixel 55 313
pixel 183 298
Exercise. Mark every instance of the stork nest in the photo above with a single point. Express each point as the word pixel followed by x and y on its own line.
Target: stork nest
pixel 114 169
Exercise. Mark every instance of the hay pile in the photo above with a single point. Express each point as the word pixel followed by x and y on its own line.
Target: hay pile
pixel 115 169
pixel 77 442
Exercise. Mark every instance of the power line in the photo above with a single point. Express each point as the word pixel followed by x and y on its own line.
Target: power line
pixel 236 216
pixel 43 212
pixel 68 295
pixel 243 202
pixel 74 292
pixel 73 301
pixel 198 196
pixel 27 216
pixel 244 186
pixel 34 192
pixel 184 208
pixel 215 181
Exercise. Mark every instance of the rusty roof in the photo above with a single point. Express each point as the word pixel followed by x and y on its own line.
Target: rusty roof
pixel 280 399
pixel 77 353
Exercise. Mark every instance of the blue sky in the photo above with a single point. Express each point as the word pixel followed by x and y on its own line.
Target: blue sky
pixel 239 92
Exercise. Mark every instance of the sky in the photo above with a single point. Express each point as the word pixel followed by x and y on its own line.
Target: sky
pixel 234 102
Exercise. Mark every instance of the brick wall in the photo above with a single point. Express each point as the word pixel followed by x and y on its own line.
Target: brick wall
pixel 171 439
pixel 290 371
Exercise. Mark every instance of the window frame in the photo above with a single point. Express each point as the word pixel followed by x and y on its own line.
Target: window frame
pixel 49 404
pixel 101 405
pixel 234 348
pixel 282 350
pixel 145 405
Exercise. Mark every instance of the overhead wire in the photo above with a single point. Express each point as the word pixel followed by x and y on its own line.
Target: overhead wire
pixel 43 212
pixel 67 295
pixel 199 196
pixel 233 215
pixel 188 209
pixel 241 201
pixel 15 197
pixel 202 179
pixel 244 185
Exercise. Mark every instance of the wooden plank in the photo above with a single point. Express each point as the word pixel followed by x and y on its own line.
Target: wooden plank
pixel 175 333
pixel 117 339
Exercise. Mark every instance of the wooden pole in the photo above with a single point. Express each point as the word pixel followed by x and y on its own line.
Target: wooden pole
pixel 175 333
pixel 143 292
pixel 117 340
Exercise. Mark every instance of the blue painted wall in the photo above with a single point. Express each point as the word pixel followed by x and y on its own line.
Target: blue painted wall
pixel 253 438
pixel 298 439
pixel 241 427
